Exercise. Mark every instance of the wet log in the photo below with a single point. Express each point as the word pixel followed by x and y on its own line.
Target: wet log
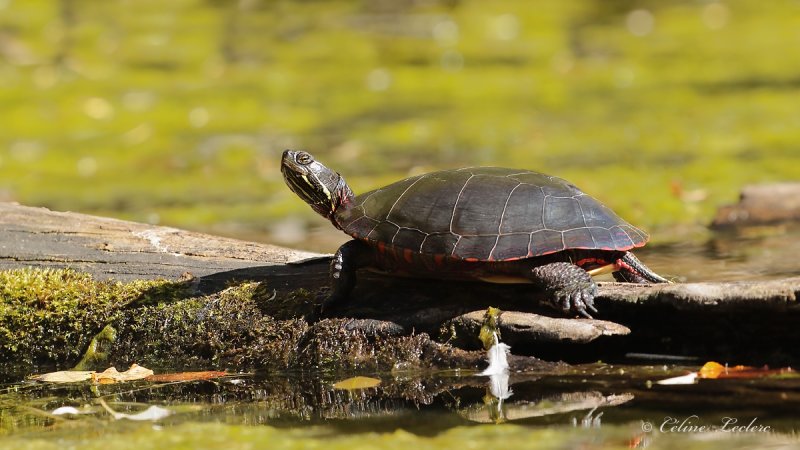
pixel 740 322
pixel 111 248
pixel 761 204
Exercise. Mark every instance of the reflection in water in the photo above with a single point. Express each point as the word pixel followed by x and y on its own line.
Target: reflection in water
pixel 546 406
pixel 497 391
pixel 495 409
pixel 423 404
pixel 418 402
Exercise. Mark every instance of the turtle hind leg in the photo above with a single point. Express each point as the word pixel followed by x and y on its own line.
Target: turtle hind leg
pixel 571 289
pixel 631 270
pixel 351 256
pixel 628 277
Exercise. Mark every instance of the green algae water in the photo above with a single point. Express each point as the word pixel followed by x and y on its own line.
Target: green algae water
pixel 177 112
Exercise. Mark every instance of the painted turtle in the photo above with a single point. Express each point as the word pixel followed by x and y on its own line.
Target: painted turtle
pixel 484 223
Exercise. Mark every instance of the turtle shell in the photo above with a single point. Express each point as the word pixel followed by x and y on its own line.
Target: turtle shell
pixel 486 214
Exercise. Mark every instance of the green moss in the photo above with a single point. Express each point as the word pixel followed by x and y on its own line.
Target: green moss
pixel 231 330
pixel 66 318
pixel 338 344
pixel 298 303
pixel 224 329
pixel 50 316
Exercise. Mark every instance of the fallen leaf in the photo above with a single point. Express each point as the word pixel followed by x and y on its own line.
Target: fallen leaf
pixel 108 376
pixel 64 376
pixel 714 370
pixel 186 376
pixel 711 369
pixel 112 375
pixel 357 383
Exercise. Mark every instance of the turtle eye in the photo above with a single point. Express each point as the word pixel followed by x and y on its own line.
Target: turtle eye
pixel 303 158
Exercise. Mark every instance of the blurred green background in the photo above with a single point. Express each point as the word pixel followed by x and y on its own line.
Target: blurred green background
pixel 176 112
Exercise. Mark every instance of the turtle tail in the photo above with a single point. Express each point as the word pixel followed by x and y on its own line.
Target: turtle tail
pixel 634 271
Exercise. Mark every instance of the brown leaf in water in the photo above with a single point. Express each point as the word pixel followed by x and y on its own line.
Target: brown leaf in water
pixel 711 369
pixel 112 375
pixel 108 376
pixel 186 376
pixel 357 383
pixel 714 370
pixel 64 376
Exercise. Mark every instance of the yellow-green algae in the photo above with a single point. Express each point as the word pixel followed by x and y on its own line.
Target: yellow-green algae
pixel 177 112
pixel 233 437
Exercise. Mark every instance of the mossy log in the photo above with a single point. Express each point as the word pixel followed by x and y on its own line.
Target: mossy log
pixel 233 303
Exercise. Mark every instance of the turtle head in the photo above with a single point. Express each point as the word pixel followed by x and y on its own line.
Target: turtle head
pixel 322 188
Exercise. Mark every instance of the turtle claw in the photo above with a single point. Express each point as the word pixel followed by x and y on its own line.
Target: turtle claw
pixel 571 288
pixel 577 299
pixel 586 303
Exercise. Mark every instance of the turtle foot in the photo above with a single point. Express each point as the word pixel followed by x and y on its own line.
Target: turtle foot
pixel 572 289
pixel 576 299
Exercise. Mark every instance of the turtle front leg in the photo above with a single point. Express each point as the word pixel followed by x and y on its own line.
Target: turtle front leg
pixel 351 256
pixel 571 289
